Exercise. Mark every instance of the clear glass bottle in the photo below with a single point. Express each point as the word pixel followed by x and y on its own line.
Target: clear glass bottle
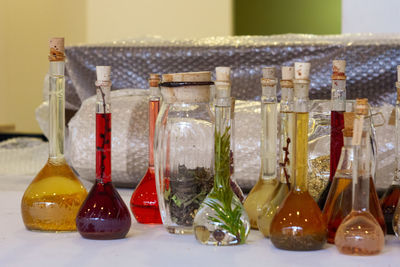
pixel 287 117
pixel 144 202
pixel 182 148
pixel 391 197
pixel 298 224
pixel 52 200
pixel 104 214
pixel 360 233
pixel 267 183
pixel 221 219
pixel 338 102
pixel 338 204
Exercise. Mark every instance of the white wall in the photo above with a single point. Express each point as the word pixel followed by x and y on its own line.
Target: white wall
pixel 27 25
pixel 123 19
pixel 375 16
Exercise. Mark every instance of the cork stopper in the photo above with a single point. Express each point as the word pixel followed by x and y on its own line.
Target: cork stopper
pixel 361 106
pixel 223 74
pixel 203 76
pixel 269 73
pixel 302 71
pixel 287 73
pixel 154 79
pixel 103 73
pixel 338 70
pixel 269 76
pixel 348 124
pixel 57 49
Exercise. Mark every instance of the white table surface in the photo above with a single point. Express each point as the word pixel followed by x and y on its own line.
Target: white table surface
pixel 151 245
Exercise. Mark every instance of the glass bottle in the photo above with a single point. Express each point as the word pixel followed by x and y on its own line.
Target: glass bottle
pixel 52 200
pixel 104 214
pixel 391 197
pixel 221 219
pixel 267 182
pixel 338 102
pixel 144 202
pixel 338 204
pixel 287 117
pixel 298 224
pixel 360 233
pixel 182 148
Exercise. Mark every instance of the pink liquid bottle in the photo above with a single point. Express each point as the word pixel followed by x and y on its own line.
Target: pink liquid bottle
pixel 144 202
pixel 338 101
pixel 104 214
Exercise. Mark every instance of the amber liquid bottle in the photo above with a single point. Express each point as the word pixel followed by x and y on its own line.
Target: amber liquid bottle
pixel 391 197
pixel 287 127
pixel 53 198
pixel 104 214
pixel 338 102
pixel 144 202
pixel 338 204
pixel 298 224
pixel 267 183
pixel 360 233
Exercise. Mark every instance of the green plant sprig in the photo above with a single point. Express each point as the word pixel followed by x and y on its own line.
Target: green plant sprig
pixel 222 196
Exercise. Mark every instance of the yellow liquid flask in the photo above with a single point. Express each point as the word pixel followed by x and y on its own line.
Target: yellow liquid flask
pixel 267 183
pixel 52 200
pixel 298 224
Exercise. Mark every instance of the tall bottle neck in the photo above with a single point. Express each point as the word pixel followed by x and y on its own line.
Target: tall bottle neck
pixel 362 164
pixel 396 179
pixel 269 132
pixel 286 103
pixel 103 102
pixel 154 108
pixel 338 95
pixel 301 99
pixel 222 143
pixel 57 110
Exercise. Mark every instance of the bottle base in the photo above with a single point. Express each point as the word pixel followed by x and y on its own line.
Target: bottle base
pixel 179 230
pixel 104 236
pixel 357 251
pixel 215 238
pixel 299 243
pixel 146 214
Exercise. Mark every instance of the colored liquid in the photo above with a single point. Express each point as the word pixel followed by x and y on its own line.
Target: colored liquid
pixel 359 234
pixel 270 208
pixel 339 205
pixel 53 199
pixel 104 214
pixel 337 126
pixel 388 204
pixel 298 225
pixel 260 194
pixel 144 202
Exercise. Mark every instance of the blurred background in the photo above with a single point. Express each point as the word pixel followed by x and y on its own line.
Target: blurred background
pixel 26 26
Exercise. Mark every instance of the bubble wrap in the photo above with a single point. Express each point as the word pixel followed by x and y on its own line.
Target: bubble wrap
pixel 370 69
pixel 129 137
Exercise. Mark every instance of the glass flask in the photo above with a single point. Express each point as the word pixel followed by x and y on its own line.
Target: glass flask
pixel 144 202
pixel 183 149
pixel 52 200
pixel 360 233
pixel 338 204
pixel 298 224
pixel 221 219
pixel 338 102
pixel 287 116
pixel 104 214
pixel 391 197
pixel 267 182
